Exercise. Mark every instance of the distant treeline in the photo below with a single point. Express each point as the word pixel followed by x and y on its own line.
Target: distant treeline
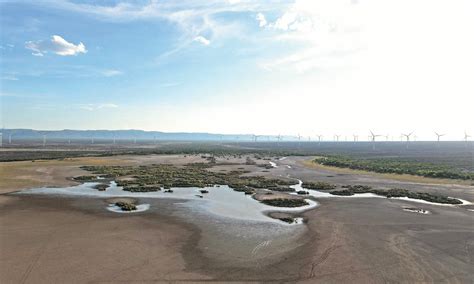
pixel 171 149
pixel 394 166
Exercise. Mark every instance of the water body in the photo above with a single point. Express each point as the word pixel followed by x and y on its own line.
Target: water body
pixel 273 164
pixel 321 194
pixel 221 201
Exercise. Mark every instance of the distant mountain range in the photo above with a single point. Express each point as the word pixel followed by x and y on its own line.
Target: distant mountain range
pixel 31 134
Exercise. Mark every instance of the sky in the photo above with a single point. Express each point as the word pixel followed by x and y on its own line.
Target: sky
pixel 304 67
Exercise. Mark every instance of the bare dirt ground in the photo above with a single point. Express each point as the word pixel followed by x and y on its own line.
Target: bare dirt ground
pixel 356 240
pixel 27 174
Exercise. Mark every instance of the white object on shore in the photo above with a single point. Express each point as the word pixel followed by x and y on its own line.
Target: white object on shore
pixel 417 210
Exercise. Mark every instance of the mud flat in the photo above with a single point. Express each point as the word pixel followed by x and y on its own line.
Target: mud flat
pixel 53 238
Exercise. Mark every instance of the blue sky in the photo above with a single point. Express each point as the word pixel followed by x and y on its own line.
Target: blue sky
pixel 232 66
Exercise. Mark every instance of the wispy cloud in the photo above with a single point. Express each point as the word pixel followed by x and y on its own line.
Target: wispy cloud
pixel 9 77
pixel 56 45
pixel 170 84
pixel 197 20
pixel 111 72
pixel 93 107
pixel 68 71
pixel 202 40
pixel 327 32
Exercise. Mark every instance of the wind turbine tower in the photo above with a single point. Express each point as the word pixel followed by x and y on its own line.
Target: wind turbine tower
pixel 466 136
pixel 408 138
pixel 372 137
pixel 439 136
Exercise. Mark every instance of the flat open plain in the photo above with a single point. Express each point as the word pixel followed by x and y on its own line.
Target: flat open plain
pixel 57 239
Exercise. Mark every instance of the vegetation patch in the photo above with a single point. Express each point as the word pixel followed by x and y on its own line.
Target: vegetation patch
pixel 282 202
pixel 126 206
pixel 344 192
pixel 154 177
pixel 320 185
pixel 357 188
pixel 398 192
pixel 85 178
pixel 287 220
pixel 101 186
pixel 394 166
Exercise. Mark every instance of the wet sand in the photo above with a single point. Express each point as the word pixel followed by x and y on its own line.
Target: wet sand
pixel 46 239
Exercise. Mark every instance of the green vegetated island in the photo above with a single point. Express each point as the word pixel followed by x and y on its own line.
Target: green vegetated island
pixel 394 166
pixel 164 177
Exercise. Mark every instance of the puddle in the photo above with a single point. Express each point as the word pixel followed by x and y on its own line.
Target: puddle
pixel 464 202
pixel 321 194
pixel 417 210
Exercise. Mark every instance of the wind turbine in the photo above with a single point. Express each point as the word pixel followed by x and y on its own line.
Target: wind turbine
pixel 356 137
pixel 299 140
pixel 408 137
pixel 336 137
pixel 466 136
pixel 319 139
pixel 372 137
pixel 439 136
pixel 1 139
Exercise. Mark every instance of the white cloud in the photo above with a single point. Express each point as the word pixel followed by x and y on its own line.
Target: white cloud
pixel 56 45
pixel 111 72
pixel 93 107
pixel 9 77
pixel 262 21
pixel 327 34
pixel 202 40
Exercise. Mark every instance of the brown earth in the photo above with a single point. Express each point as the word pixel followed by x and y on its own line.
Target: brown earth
pixel 358 240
